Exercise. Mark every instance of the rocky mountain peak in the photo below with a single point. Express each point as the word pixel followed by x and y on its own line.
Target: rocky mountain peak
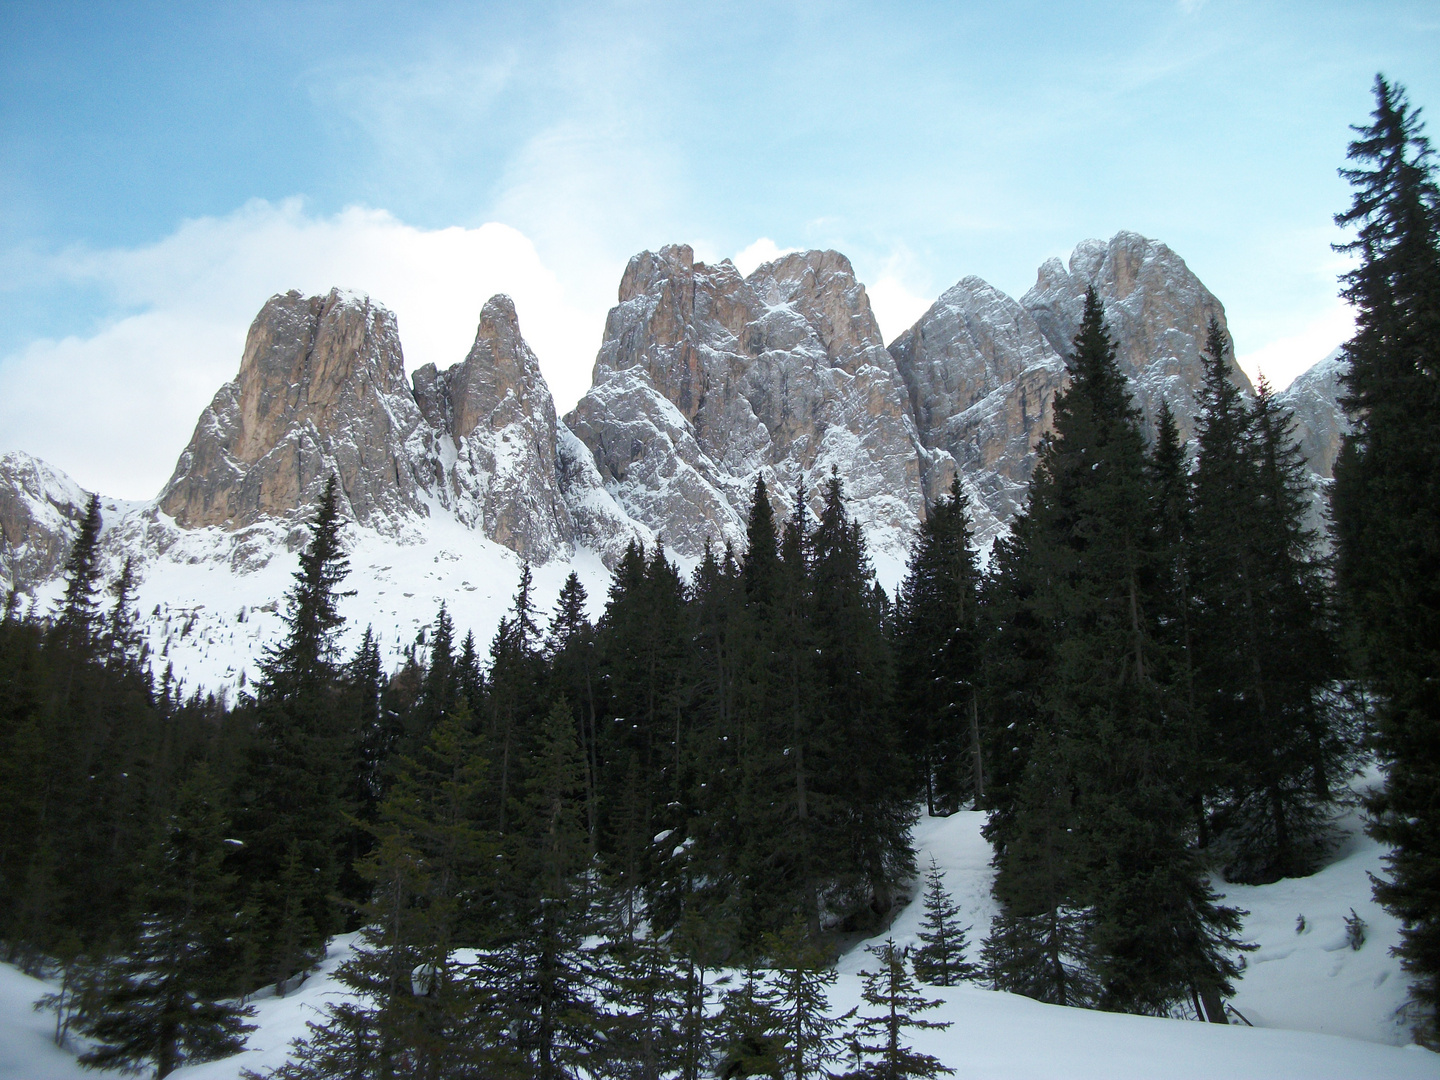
pixel 706 380
pixel 495 413
pixel 321 390
pixel 1156 309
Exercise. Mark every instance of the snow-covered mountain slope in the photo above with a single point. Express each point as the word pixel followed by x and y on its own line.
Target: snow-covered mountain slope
pixel 211 600
pixel 1320 1009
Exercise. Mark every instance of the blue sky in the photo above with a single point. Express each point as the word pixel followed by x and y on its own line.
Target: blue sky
pixel 164 168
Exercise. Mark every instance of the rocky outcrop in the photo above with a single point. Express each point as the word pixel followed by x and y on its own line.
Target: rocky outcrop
pixel 321 391
pixel 982 380
pixel 982 369
pixel 1320 423
pixel 40 513
pixel 497 419
pixel 706 381
pixel 1156 310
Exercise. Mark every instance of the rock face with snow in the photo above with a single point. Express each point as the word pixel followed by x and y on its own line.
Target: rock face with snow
pixel 982 380
pixel 982 369
pixel 497 419
pixel 1156 310
pixel 706 381
pixel 321 391
pixel 40 513
pixel 1320 422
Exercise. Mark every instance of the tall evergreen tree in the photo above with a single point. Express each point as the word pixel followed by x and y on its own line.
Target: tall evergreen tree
pixel 865 808
pixel 77 620
pixel 1098 788
pixel 937 655
pixel 415 1011
pixel 798 999
pixel 1385 503
pixel 292 794
pixel 1263 652
pixel 159 1002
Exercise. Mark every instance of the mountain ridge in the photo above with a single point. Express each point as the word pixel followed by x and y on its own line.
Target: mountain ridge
pixel 705 380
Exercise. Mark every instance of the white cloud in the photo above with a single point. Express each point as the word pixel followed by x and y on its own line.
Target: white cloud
pixel 896 307
pixel 115 408
pixel 761 251
pixel 1286 357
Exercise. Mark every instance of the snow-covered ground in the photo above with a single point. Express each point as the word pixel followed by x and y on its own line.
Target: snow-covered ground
pixel 1320 1008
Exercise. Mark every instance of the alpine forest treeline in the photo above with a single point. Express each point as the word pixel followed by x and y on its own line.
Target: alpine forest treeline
pixel 629 847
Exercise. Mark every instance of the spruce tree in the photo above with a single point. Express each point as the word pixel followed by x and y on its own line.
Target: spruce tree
pixel 940 960
pixel 864 806
pixel 747 1031
pixel 77 620
pixel 292 793
pixel 937 655
pixel 1264 657
pixel 1096 786
pixel 414 1010
pixel 540 971
pixel 878 1039
pixel 798 998
pixel 1385 506
pixel 160 1001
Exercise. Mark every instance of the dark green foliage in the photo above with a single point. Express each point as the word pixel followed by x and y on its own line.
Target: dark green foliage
pixel 940 960
pixel 879 1036
pixel 158 1002
pixel 748 1030
pixel 1046 956
pixel 1262 648
pixel 797 999
pixel 1090 831
pixel 1386 507
pixel 77 623
pixel 938 654
pixel 291 798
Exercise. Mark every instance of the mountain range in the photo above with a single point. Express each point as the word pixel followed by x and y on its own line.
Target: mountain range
pixel 705 381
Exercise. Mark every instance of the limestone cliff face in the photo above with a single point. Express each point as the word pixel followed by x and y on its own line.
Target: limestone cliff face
pixel 982 380
pixel 706 381
pixel 1320 423
pixel 495 413
pixel 1156 310
pixel 40 514
pixel 321 391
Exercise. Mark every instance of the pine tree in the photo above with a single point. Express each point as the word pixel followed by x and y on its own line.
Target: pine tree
pixel 159 1002
pixel 1097 788
pixel 798 1000
pixel 940 961
pixel 879 1035
pixel 1263 652
pixel 122 642
pixel 864 806
pixel 77 620
pixel 291 794
pixel 1384 504
pixel 644 989
pixel 414 1010
pixel 747 1030
pixel 937 655
pixel 541 975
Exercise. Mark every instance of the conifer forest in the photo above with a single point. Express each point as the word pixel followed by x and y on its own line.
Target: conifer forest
pixel 631 847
